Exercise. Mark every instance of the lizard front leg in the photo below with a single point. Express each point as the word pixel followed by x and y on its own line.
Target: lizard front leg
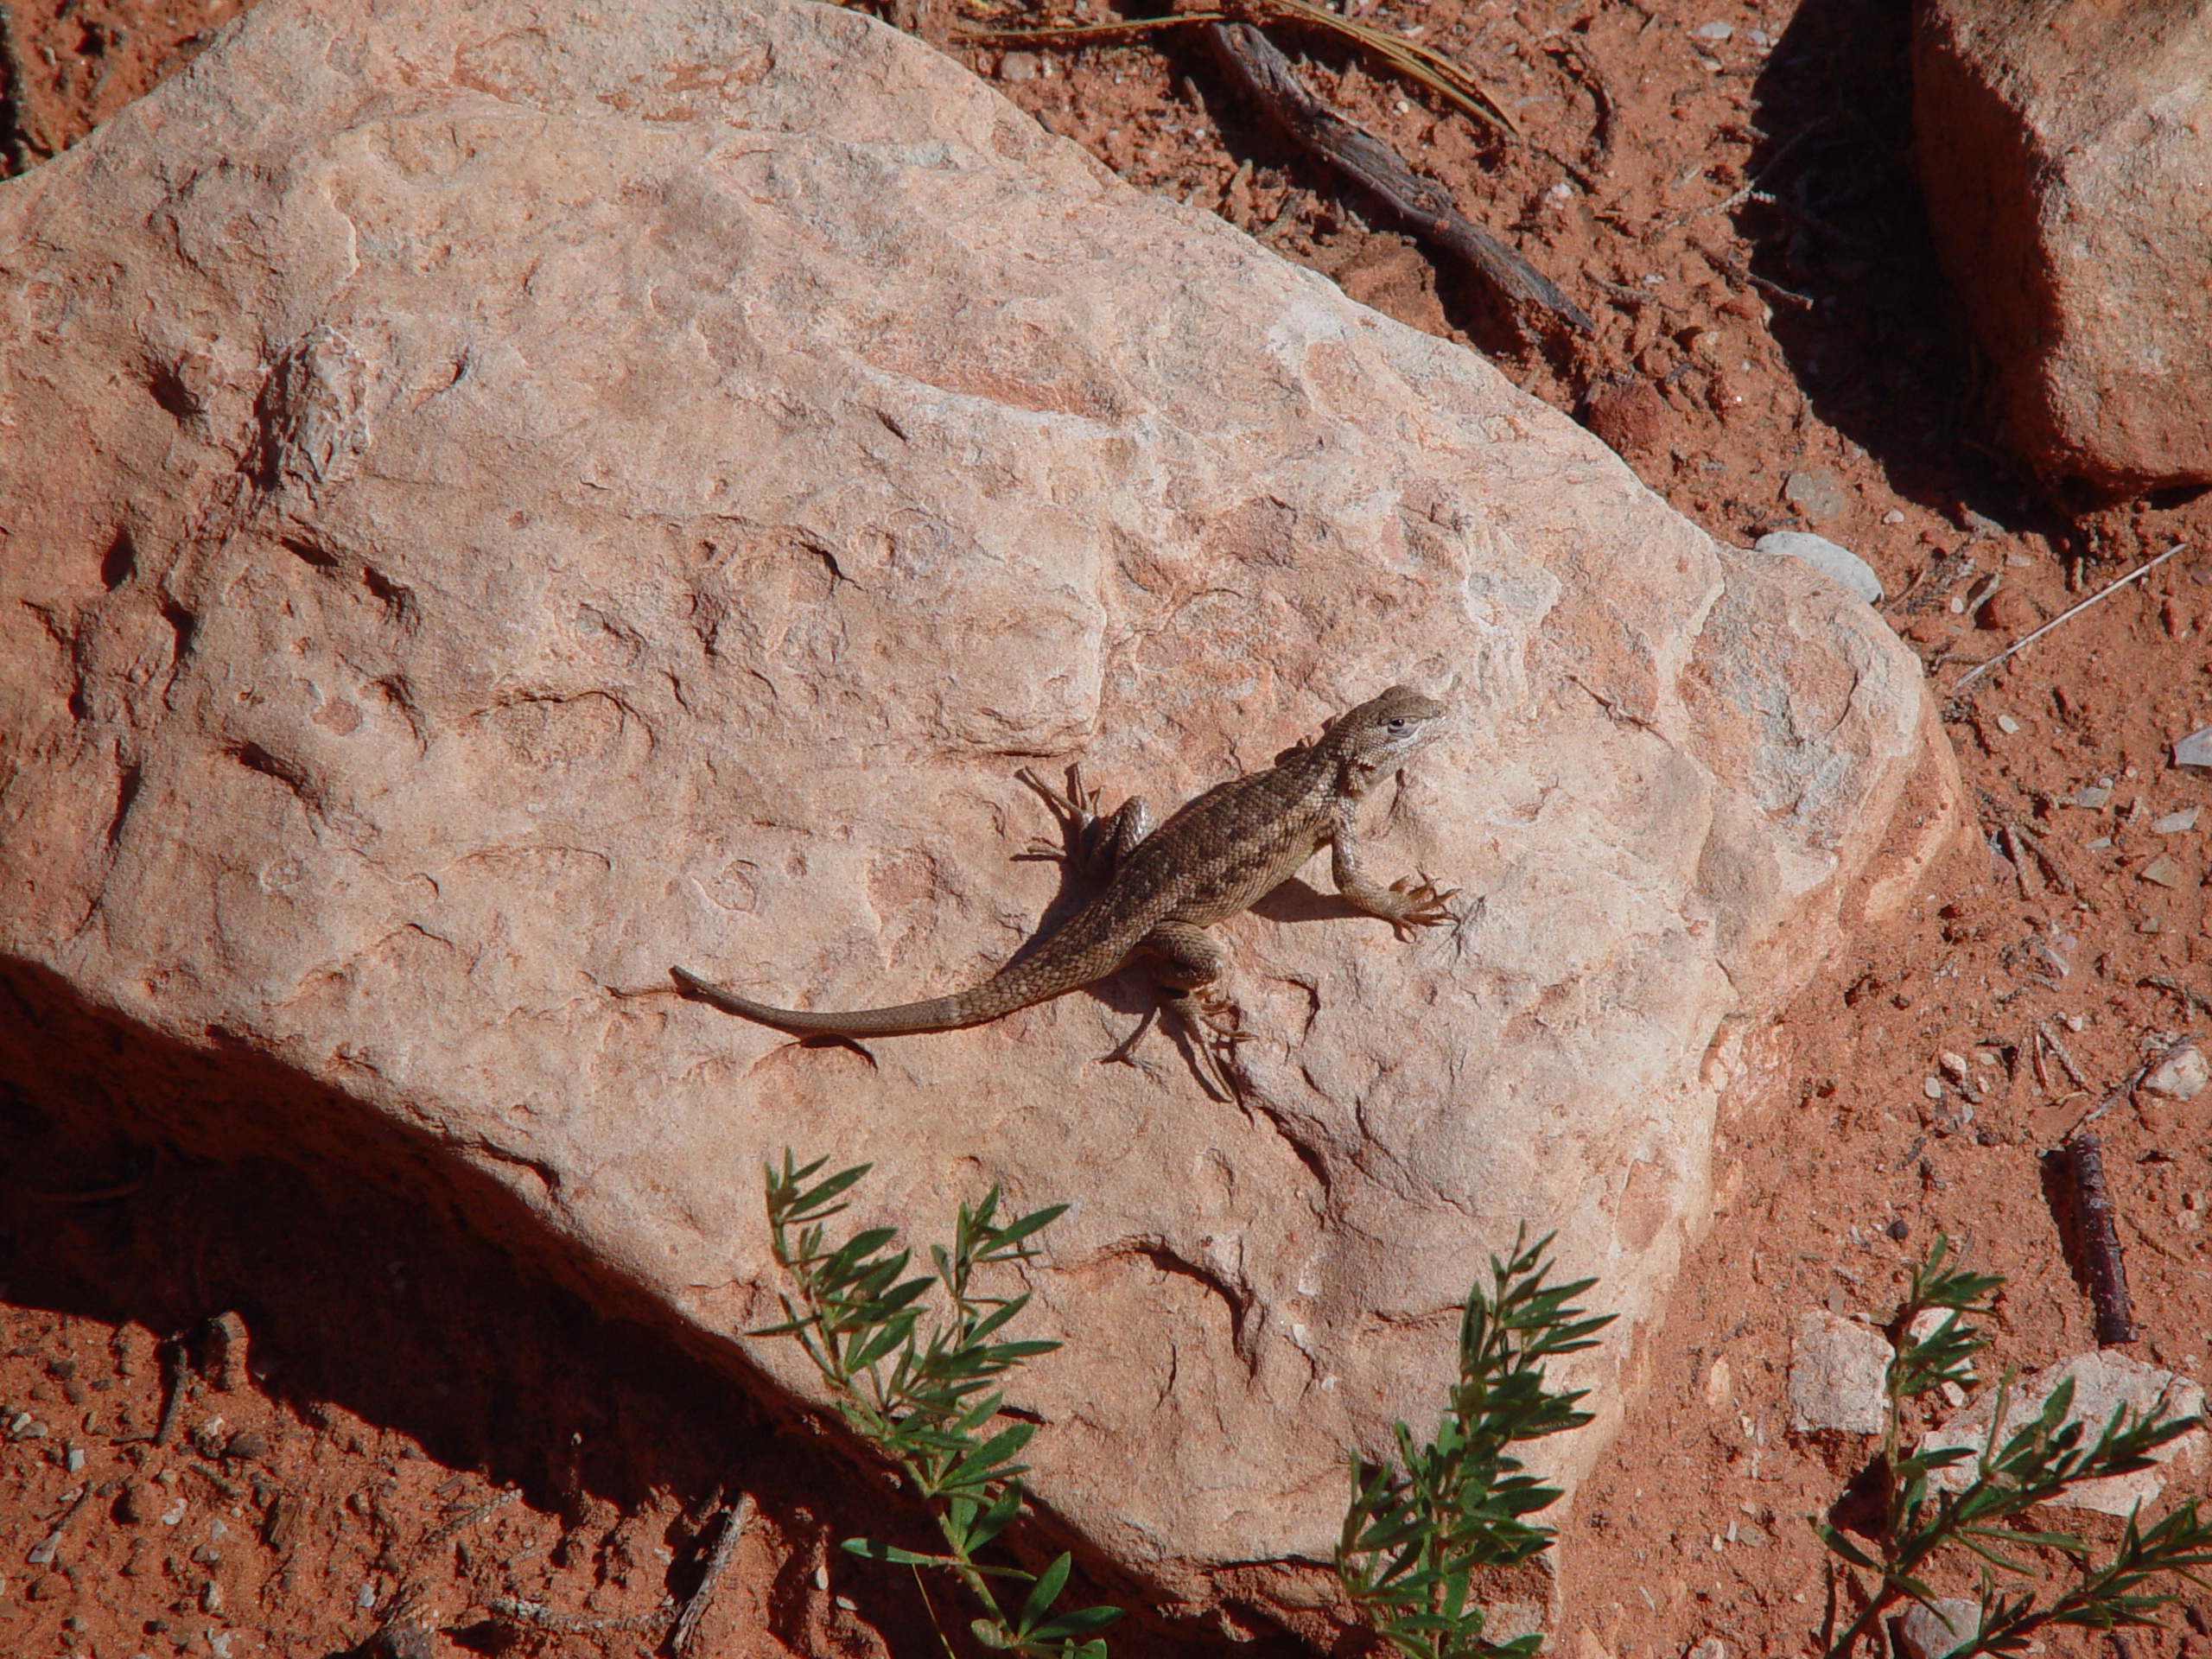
pixel 1096 843
pixel 1407 903
pixel 1186 962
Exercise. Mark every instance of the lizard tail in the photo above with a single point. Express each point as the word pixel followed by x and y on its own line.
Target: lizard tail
pixel 1000 994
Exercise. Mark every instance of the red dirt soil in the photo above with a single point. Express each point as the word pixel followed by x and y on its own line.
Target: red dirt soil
pixel 431 1450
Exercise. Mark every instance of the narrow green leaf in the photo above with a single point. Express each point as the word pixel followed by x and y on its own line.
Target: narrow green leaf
pixel 876 1550
pixel 1041 1593
pixel 1081 1622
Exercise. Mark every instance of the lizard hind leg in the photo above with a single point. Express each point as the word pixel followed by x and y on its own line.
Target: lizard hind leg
pixel 1094 843
pixel 1187 962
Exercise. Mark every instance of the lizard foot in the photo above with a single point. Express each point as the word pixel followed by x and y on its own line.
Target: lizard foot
pixel 1077 809
pixel 1213 1027
pixel 1417 902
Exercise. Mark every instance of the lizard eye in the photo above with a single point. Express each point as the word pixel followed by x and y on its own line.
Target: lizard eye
pixel 1398 724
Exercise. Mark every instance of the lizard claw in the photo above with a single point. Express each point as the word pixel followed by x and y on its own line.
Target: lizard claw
pixel 1420 904
pixel 1212 1026
pixel 1075 806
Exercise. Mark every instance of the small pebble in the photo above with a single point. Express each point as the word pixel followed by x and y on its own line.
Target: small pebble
pixel 2163 871
pixel 1932 1087
pixel 211 1597
pixel 74 1461
pixel 2195 750
pixel 365 1596
pixel 1759 38
pixel 2099 844
pixel 2149 925
pixel 1715 32
pixel 1932 1630
pixel 1838 565
pixel 2176 823
pixel 2091 796
pixel 1815 494
pixel 1954 1064
pixel 1018 66
pixel 2007 724
pixel 1899 1229
pixel 42 1552
pixel 1893 516
pixel 2006 612
pixel 2182 1075
pixel 173 1514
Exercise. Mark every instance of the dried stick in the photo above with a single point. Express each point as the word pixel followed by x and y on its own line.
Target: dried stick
pixel 1266 74
pixel 734 1521
pixel 2189 999
pixel 2058 1051
pixel 531 1615
pixel 2054 874
pixel 2022 642
pixel 1751 189
pixel 2099 1243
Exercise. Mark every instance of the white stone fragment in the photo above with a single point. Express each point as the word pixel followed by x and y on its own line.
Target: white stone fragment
pixel 1838 565
pixel 1837 1369
pixel 2195 750
pixel 2176 823
pixel 2102 1381
pixel 2181 1074
pixel 1938 1628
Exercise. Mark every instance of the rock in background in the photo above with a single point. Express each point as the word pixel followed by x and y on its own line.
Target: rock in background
pixel 2065 151
pixel 501 502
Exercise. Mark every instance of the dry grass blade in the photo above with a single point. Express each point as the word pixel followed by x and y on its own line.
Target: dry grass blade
pixel 2020 644
pixel 1422 65
pixel 1418 63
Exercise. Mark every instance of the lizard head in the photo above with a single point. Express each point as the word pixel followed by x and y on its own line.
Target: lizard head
pixel 1376 738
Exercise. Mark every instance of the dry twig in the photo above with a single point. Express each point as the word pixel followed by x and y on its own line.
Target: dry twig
pixel 2107 1275
pixel 2025 640
pixel 1266 74
pixel 2190 999
pixel 2058 1051
pixel 734 1521
pixel 530 1615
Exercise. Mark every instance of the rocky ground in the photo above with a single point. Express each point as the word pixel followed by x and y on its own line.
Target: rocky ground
pixel 416 1435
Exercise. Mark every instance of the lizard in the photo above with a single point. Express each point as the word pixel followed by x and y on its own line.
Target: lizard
pixel 1218 855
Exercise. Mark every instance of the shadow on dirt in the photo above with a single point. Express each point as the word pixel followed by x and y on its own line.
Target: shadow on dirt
pixel 1841 251
pixel 142 1181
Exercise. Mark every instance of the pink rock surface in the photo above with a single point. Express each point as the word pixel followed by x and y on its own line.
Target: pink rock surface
pixel 502 499
pixel 2066 154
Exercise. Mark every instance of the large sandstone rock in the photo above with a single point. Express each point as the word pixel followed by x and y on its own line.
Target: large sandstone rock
pixel 502 499
pixel 2065 151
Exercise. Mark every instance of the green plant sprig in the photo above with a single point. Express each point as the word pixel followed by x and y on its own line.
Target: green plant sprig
pixel 2036 1462
pixel 926 1402
pixel 1416 1530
